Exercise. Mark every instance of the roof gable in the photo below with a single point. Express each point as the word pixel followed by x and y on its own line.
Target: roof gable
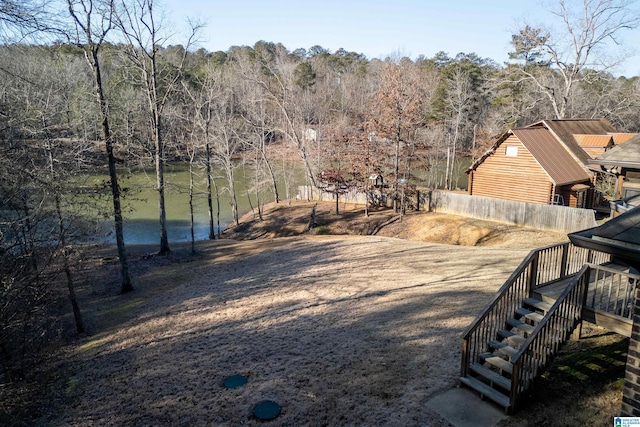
pixel 556 161
pixel 563 132
pixel 565 129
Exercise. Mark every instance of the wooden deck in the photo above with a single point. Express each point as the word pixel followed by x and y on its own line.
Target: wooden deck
pixel 608 304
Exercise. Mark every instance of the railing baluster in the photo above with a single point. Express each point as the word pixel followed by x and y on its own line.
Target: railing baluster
pixel 601 282
pixel 563 262
pixel 616 302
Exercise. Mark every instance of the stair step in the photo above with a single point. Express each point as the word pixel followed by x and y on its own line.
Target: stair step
pixel 538 304
pixel 516 341
pixel 530 315
pixel 526 329
pixel 486 391
pixel 503 348
pixel 503 333
pixel 492 376
pixel 511 339
pixel 500 363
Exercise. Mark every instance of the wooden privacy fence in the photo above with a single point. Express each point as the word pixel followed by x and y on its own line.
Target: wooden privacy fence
pixel 546 217
pixel 534 215
pixel 306 192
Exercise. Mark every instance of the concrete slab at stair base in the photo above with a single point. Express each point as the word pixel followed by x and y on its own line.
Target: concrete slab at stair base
pixel 463 408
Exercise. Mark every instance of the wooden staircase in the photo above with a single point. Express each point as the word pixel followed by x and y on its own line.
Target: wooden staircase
pixel 518 333
pixel 492 372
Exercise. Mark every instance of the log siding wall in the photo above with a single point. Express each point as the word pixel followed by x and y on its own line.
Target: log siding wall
pixel 519 178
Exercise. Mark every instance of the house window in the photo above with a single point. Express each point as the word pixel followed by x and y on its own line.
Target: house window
pixel 511 150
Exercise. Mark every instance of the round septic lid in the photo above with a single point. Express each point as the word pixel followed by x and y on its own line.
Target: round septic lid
pixel 266 410
pixel 235 381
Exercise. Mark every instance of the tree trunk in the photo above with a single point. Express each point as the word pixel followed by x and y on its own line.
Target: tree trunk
pixel 271 174
pixel 396 173
pixel 159 160
pixel 164 240
pixel 193 238
pixel 232 193
pixel 215 186
pixel 212 231
pixel 126 285
pixel 77 315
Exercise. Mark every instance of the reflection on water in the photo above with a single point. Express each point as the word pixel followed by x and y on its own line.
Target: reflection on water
pixel 140 204
pixel 147 231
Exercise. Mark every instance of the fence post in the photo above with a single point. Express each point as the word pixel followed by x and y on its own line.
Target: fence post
pixel 464 369
pixel 533 272
pixel 563 262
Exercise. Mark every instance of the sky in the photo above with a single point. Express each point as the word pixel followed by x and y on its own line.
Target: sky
pixel 375 28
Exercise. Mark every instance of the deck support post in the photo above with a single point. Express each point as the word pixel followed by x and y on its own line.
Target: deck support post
pixel 533 274
pixel 563 262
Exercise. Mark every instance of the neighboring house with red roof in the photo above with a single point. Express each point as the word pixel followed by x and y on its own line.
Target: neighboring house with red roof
pixel 594 145
pixel 546 162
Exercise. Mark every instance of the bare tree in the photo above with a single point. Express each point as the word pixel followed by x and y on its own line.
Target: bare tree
pixel 26 18
pixel 220 128
pixel 93 20
pixel 227 127
pixel 62 237
pixel 270 67
pixel 397 112
pixel 138 22
pixel 587 29
pixel 459 101
pixel 254 111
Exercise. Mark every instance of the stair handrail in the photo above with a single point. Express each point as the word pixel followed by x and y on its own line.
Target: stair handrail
pixel 547 337
pixel 521 278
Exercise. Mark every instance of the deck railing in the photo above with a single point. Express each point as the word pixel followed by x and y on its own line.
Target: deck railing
pixel 540 267
pixel 544 342
pixel 612 291
pixel 557 262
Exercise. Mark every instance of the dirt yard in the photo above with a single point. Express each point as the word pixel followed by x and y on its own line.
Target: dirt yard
pixel 338 330
pixel 285 220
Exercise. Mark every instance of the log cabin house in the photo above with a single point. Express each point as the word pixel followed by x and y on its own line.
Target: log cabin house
pixel 545 162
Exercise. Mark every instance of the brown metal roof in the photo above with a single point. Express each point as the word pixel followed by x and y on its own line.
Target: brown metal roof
pixel 565 129
pixel 557 162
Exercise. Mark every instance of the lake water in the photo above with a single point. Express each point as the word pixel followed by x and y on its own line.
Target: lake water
pixel 140 203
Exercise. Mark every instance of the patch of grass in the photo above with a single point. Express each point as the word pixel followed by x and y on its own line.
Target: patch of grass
pixel 124 307
pixel 323 230
pixel 583 385
pixel 72 383
pixel 94 341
